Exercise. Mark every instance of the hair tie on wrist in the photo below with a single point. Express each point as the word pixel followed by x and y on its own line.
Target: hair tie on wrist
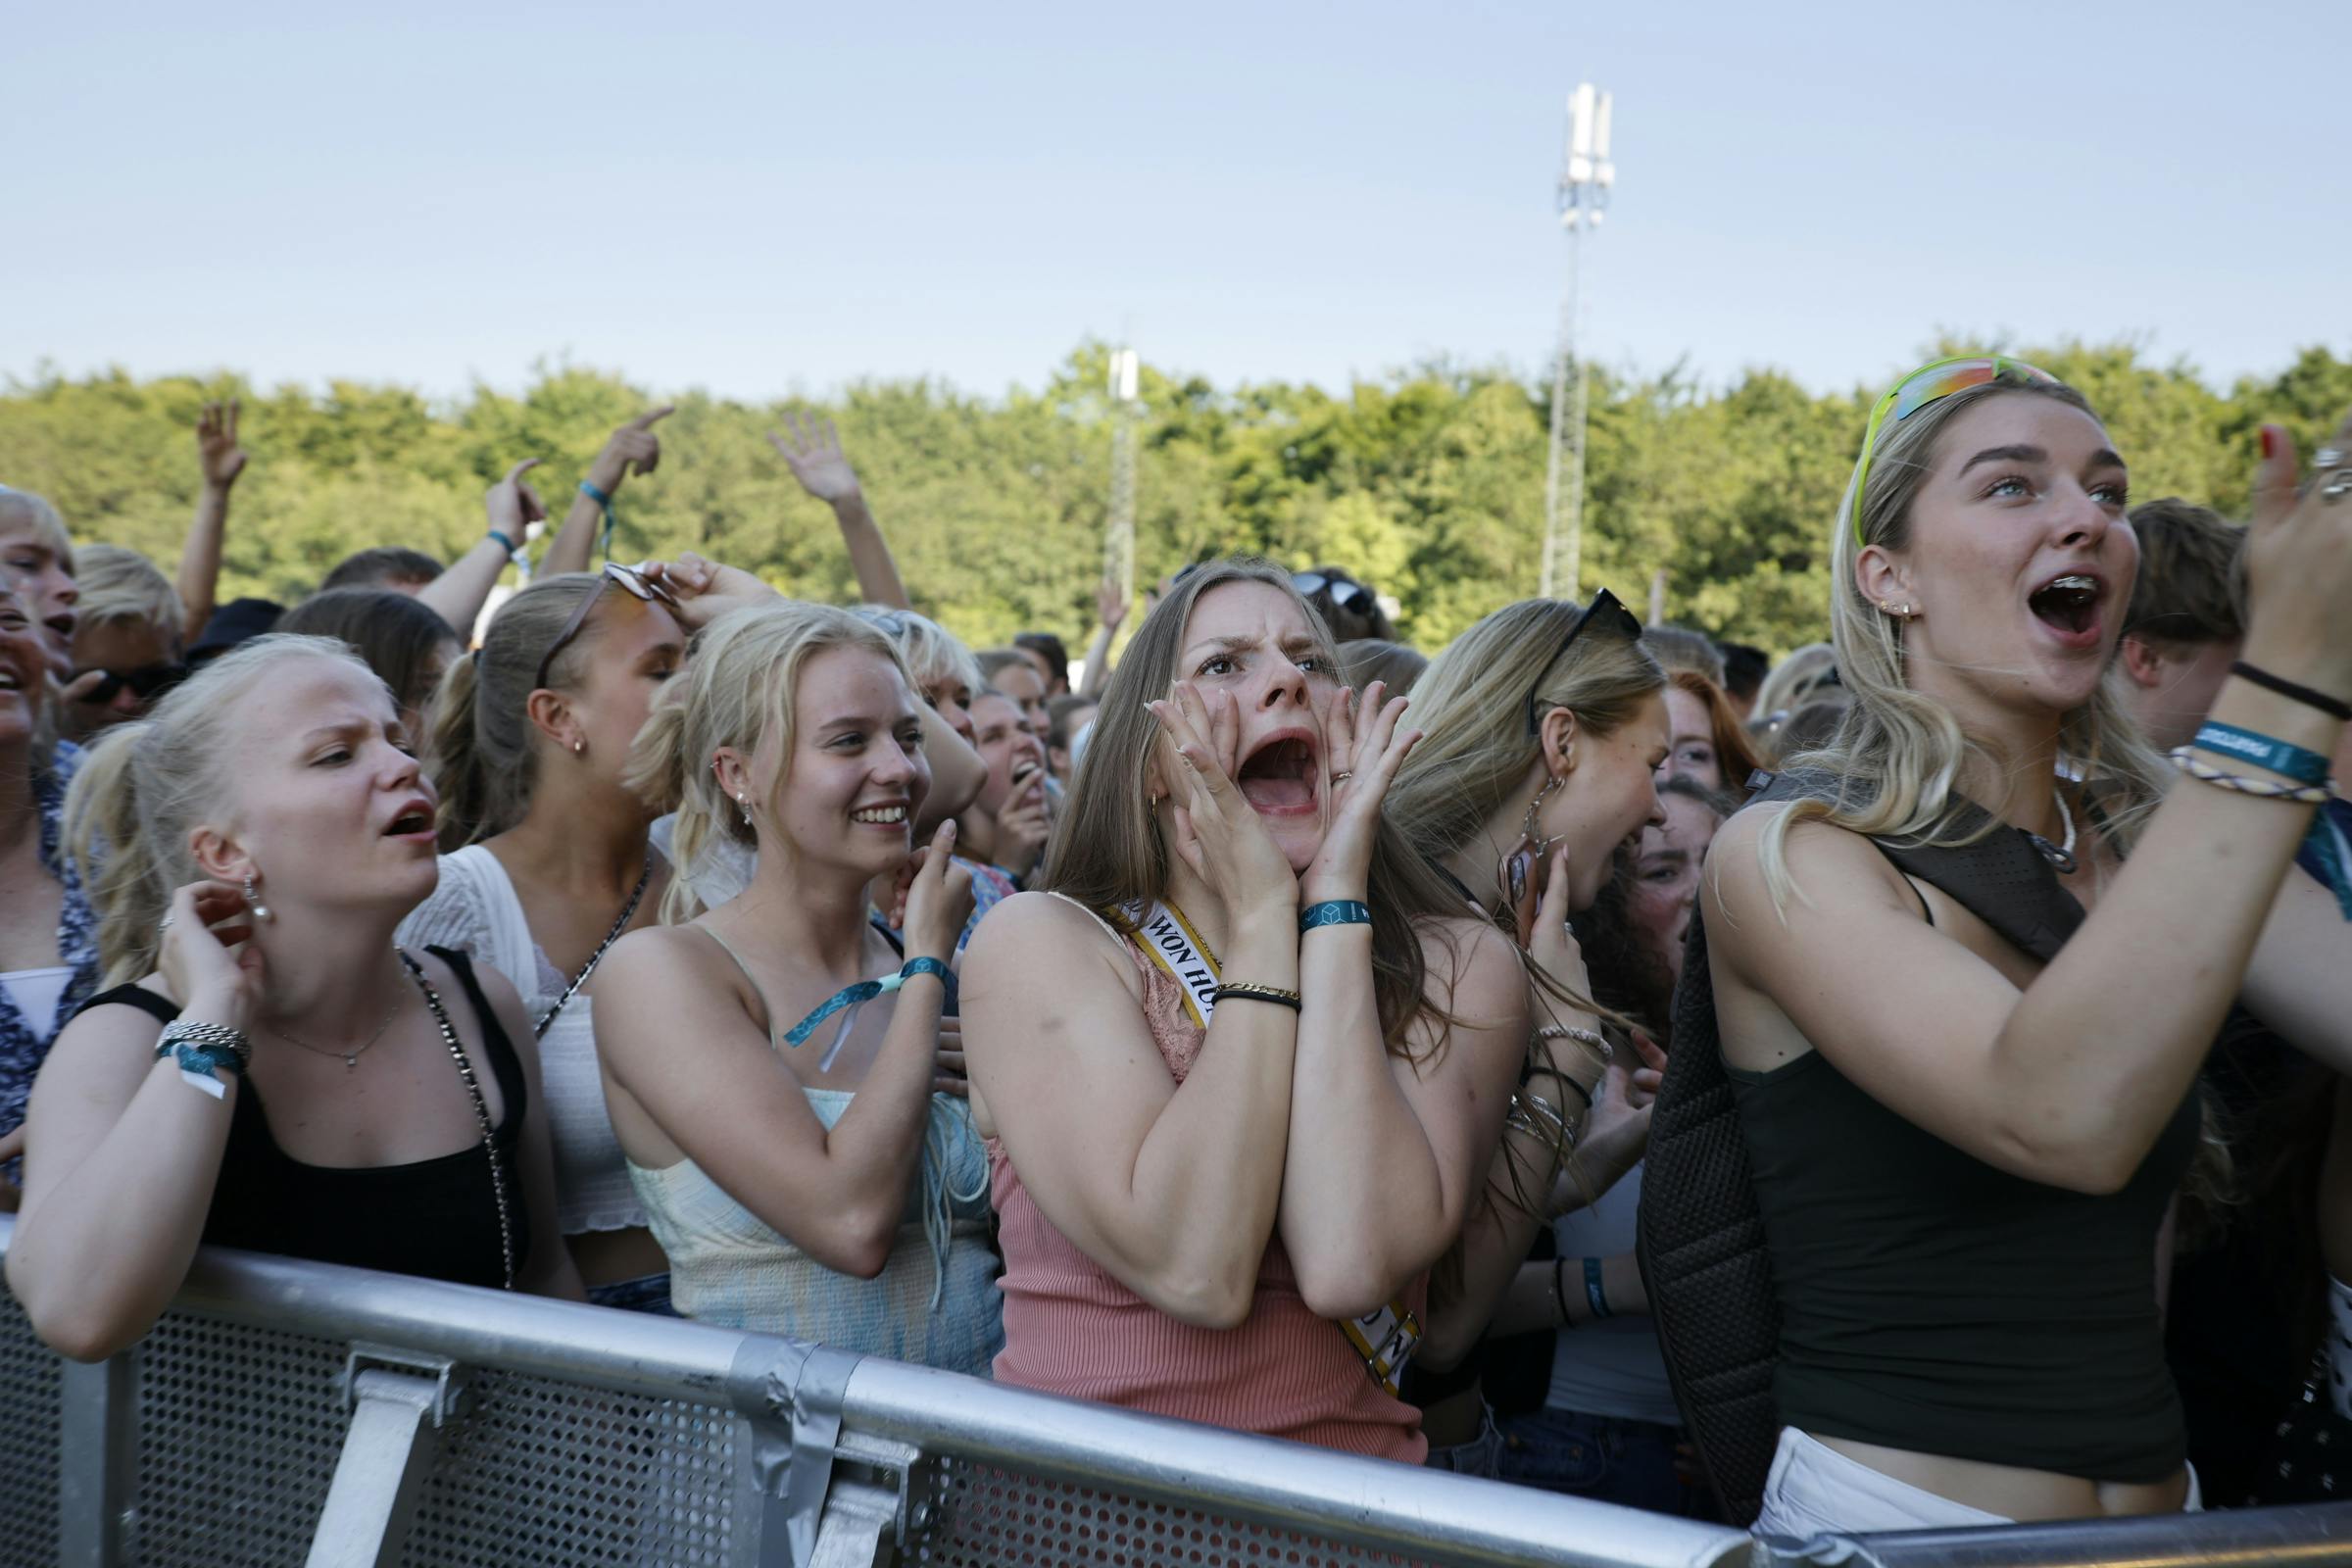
pixel 2333 707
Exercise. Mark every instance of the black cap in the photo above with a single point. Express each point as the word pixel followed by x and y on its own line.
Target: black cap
pixel 231 625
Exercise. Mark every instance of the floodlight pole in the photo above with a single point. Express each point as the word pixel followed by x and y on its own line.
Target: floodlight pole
pixel 1586 179
pixel 1119 535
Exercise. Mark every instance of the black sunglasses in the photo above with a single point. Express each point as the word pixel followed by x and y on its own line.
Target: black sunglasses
pixel 1606 609
pixel 630 580
pixel 147 682
pixel 1352 597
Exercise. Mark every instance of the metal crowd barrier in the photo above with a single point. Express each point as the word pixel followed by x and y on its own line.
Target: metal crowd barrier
pixel 290 1412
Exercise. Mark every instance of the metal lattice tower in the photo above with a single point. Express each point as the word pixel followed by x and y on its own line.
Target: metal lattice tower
pixel 1119 535
pixel 1586 179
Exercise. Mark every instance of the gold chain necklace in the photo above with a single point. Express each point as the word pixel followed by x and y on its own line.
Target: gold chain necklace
pixel 351 1057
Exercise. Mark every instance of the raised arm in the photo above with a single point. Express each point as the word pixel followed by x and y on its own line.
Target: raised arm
pixel 515 513
pixel 812 452
pixel 220 459
pixel 733 1105
pixel 1110 611
pixel 1171 1187
pixel 122 1154
pixel 631 449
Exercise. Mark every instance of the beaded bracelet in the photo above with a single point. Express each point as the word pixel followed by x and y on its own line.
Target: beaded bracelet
pixel 2186 759
pixel 1590 1037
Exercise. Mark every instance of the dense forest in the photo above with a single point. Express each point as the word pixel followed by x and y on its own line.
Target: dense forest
pixel 1428 484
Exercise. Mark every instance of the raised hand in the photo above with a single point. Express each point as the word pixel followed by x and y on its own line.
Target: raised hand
pixel 1217 832
pixel 2299 564
pixel 1024 823
pixel 217 449
pixel 513 506
pixel 1362 749
pixel 812 450
pixel 631 449
pixel 1110 605
pixel 939 898
pixel 1552 945
pixel 205 922
pixel 707 589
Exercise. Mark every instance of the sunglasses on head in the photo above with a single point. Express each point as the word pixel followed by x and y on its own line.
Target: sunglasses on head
pixel 1352 597
pixel 1605 608
pixel 632 581
pixel 147 682
pixel 1923 386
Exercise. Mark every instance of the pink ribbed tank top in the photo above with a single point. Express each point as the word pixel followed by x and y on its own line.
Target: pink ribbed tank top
pixel 1071 1329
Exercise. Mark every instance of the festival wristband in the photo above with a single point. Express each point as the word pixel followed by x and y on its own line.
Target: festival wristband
pixel 205 1052
pixel 866 991
pixel 2287 761
pixel 588 489
pixel 1595 1297
pixel 1333 912
pixel 505 543
pixel 915 966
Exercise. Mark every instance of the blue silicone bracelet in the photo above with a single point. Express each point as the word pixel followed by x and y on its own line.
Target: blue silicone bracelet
pixel 2278 756
pixel 1335 912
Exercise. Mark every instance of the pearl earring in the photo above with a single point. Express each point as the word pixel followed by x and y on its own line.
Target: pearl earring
pixel 579 748
pixel 261 910
pixel 741 805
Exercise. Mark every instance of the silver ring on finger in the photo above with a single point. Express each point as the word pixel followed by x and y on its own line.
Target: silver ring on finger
pixel 1343 775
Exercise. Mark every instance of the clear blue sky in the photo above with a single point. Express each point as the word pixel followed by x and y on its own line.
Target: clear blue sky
pixel 758 199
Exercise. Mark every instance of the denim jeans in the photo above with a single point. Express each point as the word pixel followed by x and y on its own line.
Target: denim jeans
pixel 1611 1461
pixel 647 1293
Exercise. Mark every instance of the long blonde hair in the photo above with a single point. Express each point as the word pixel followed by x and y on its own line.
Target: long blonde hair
pixel 740 685
pixel 1107 852
pixel 144 785
pixel 1898 754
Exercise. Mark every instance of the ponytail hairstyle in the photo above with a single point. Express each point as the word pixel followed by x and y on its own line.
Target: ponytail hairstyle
pixel 1897 755
pixel 144 785
pixel 1107 852
pixel 481 753
pixel 740 687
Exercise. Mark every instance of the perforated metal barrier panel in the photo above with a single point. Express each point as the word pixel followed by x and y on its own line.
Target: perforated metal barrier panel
pixel 989 1517
pixel 28 1442
pixel 240 1428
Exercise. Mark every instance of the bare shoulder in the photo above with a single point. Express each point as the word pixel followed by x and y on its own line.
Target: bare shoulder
pixel 1468 960
pixel 1033 929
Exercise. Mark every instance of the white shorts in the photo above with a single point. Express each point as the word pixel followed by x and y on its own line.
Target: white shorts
pixel 1814 1489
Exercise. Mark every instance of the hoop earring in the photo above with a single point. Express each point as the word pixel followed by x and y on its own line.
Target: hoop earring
pixel 261 910
pixel 1528 830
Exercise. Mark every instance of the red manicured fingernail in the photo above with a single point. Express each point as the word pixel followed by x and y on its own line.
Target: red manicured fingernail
pixel 2270 442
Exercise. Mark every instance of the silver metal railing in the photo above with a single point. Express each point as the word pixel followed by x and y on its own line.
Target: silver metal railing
pixel 288 1412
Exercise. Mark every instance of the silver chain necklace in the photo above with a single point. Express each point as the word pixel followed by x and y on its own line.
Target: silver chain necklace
pixel 586 969
pixel 351 1057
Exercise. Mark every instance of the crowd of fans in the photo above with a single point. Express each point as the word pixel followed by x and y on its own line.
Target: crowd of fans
pixel 1266 1026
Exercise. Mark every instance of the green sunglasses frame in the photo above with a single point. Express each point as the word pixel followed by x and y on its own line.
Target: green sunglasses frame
pixel 1960 372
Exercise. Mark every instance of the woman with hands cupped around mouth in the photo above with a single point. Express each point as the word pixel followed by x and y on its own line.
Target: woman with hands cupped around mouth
pixel 1258 1098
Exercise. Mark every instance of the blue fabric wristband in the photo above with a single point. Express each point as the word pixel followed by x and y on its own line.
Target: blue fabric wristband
pixel 2287 761
pixel 1335 912
pixel 605 501
pixel 1595 1297
pixel 947 976
pixel 499 534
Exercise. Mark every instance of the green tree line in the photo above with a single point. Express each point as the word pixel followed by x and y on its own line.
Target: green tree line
pixel 1429 483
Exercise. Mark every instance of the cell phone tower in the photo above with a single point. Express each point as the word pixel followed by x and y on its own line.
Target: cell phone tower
pixel 1586 179
pixel 1118 534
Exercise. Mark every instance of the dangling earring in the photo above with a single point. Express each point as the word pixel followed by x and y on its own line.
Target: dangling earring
pixel 745 808
pixel 1530 830
pixel 261 910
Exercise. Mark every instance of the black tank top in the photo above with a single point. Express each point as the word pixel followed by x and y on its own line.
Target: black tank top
pixel 437 1218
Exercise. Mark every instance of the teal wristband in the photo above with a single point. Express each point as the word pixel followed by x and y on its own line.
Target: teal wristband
pixel 2278 756
pixel 1595 1297
pixel 605 501
pixel 500 535
pixel 947 976
pixel 1333 912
